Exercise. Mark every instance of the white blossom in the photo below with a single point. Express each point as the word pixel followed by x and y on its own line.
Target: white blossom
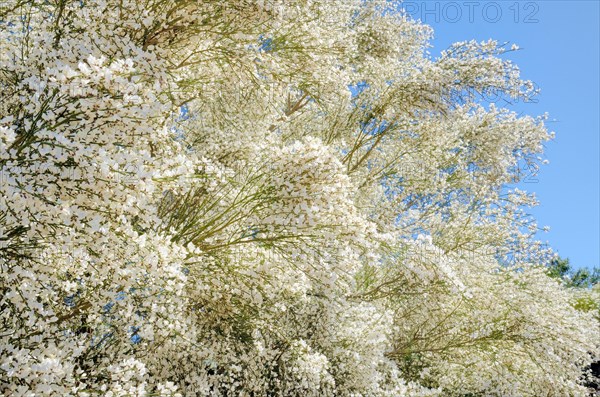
pixel 193 202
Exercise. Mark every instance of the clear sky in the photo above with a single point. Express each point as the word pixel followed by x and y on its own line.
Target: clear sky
pixel 560 43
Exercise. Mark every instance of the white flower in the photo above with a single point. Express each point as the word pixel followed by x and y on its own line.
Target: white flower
pixel 7 135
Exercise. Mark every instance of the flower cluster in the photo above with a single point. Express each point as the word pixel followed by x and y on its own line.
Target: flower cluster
pixel 270 198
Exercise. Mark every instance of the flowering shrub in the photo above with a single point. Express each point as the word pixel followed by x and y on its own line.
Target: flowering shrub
pixel 270 198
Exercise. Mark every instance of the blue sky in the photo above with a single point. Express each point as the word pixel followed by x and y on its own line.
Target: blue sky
pixel 560 43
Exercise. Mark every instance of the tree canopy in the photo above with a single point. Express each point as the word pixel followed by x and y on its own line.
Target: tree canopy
pixel 271 198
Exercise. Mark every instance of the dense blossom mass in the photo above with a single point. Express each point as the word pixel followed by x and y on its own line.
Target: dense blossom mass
pixel 271 198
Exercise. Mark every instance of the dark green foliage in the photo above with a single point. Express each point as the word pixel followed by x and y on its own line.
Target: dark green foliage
pixel 560 268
